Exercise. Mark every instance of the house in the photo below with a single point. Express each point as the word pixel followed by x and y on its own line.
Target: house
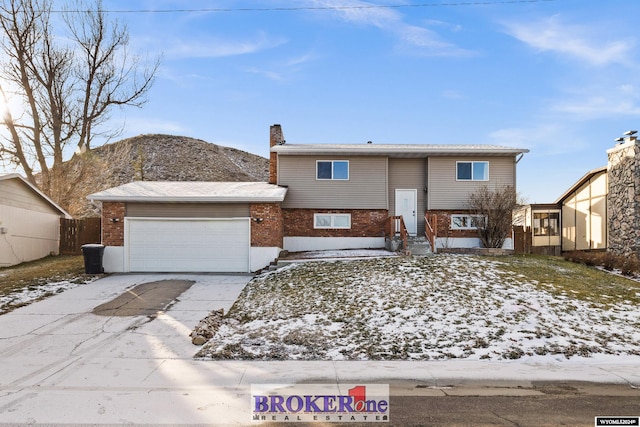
pixel 322 196
pixel 577 220
pixel 29 222
pixel 341 195
pixel 598 212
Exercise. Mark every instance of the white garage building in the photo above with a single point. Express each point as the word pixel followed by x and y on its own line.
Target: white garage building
pixel 191 226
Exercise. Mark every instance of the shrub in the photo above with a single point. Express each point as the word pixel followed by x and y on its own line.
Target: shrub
pixel 627 265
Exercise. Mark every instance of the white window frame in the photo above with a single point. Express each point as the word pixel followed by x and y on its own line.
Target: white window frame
pixel 332 221
pixel 469 221
pixel 332 170
pixel 472 166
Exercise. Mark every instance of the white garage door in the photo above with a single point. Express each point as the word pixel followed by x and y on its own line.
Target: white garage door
pixel 188 245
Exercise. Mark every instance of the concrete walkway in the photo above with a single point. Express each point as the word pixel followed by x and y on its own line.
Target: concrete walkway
pixel 62 364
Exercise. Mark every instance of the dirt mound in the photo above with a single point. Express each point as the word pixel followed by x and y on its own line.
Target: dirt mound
pixel 156 158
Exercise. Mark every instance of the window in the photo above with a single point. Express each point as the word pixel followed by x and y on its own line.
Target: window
pixel 472 171
pixel 546 223
pixel 331 220
pixel 332 169
pixel 467 222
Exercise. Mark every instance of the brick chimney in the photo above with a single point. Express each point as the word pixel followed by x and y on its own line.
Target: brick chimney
pixel 275 138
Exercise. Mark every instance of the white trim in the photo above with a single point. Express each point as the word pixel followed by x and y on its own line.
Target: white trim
pixel 300 243
pixel 332 226
pixel 419 150
pixel 193 191
pixel 261 257
pixel 470 216
pixel 415 209
pixel 113 259
pixel 332 170
pixel 472 163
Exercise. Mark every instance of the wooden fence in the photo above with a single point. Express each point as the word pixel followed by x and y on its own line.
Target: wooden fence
pixel 522 240
pixel 77 232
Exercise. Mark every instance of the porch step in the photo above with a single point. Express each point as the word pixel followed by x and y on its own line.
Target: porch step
pixel 419 246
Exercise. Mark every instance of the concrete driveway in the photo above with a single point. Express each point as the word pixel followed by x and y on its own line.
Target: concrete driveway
pixel 62 364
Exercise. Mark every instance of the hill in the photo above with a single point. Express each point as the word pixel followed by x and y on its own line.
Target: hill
pixel 157 158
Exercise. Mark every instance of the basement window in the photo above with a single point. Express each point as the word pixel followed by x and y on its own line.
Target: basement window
pixel 332 221
pixel 467 222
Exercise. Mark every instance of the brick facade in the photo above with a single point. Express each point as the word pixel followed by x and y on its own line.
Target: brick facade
pixel 113 223
pixel 364 223
pixel 269 231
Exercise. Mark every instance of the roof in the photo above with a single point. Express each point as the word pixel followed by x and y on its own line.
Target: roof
pixel 398 150
pixel 36 191
pixel 580 182
pixel 192 191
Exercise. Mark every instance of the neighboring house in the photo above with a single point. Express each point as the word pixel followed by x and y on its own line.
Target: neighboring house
pixel 576 221
pixel 29 222
pixel 601 211
pixel 324 196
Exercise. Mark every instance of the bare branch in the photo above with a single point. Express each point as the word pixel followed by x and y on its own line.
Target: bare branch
pixel 493 208
pixel 68 85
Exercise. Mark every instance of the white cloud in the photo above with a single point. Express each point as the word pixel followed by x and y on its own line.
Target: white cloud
pixel 580 42
pixel 601 102
pixel 414 39
pixel 215 47
pixel 424 41
pixel 271 75
pixel 453 94
pixel 284 69
pixel 544 139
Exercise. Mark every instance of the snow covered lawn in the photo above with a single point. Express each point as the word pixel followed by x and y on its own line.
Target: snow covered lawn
pixel 25 283
pixel 32 293
pixel 437 307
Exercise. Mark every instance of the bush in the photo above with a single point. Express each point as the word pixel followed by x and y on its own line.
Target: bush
pixel 627 265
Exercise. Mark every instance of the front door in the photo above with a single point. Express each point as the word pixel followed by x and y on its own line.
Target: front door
pixel 407 205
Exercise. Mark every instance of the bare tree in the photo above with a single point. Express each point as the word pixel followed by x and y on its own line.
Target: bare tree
pixel 63 81
pixel 493 210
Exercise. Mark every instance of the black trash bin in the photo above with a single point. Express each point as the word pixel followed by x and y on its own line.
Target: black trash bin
pixel 93 258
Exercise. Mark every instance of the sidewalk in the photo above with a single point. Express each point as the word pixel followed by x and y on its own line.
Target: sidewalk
pixel 63 364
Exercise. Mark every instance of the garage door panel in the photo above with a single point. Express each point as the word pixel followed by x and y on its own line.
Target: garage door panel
pixel 189 245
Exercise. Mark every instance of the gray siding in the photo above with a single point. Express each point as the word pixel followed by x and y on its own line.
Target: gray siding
pixel 365 189
pixel 444 192
pixel 187 210
pixel 16 194
pixel 408 174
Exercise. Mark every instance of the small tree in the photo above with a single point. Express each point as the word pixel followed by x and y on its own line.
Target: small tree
pixel 493 209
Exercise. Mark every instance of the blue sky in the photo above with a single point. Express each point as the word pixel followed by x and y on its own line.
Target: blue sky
pixel 560 78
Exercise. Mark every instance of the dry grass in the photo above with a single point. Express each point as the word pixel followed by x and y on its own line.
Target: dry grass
pixel 580 281
pixel 40 272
